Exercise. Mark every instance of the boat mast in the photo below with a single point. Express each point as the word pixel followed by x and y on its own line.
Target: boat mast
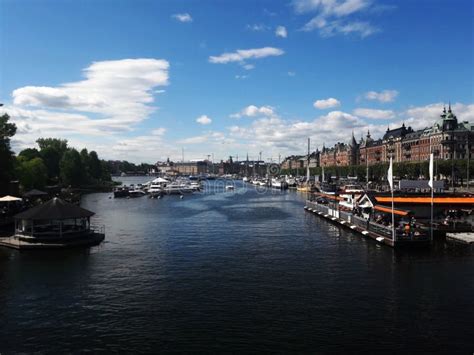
pixel 307 163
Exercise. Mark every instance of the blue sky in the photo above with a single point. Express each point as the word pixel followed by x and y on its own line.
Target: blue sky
pixel 140 80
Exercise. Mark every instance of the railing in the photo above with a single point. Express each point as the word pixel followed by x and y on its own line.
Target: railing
pixel 372 226
pixel 98 228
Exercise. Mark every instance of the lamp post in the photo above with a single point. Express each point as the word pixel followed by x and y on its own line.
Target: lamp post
pixel 468 156
pixel 367 165
pixel 452 163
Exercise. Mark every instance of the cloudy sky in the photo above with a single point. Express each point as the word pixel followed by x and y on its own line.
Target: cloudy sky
pixel 142 80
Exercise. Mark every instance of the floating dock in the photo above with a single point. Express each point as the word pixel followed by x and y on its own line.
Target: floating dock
pixel 464 238
pixel 17 243
pixel 379 233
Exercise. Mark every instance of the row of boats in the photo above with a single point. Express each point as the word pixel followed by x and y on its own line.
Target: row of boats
pixel 281 182
pixel 158 187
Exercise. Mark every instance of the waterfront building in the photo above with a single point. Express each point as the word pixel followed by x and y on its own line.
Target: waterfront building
pixel 342 154
pixel 446 139
pixel 191 167
pixel 370 150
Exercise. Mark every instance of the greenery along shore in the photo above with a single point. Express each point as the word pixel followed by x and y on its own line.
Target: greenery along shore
pixel 406 170
pixel 54 163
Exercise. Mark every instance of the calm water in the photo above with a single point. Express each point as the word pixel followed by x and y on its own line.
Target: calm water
pixel 239 271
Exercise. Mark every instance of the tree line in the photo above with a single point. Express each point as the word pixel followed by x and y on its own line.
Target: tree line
pixel 54 163
pixel 402 170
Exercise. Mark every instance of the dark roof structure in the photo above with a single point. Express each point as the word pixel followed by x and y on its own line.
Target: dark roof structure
pixel 55 209
pixel 34 193
pixel 397 132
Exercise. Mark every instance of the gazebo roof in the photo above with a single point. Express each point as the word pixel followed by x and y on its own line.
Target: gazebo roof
pixel 54 209
pixel 34 192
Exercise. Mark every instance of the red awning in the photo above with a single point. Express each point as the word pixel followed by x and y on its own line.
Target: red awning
pixel 389 210
pixel 436 200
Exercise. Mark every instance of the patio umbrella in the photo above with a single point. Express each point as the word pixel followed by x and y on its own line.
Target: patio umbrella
pixel 9 198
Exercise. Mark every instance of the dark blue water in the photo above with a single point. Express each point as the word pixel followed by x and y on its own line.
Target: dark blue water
pixel 243 272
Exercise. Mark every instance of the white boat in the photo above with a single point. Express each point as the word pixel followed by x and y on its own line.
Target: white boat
pixel 278 184
pixel 136 193
pixel 245 179
pixel 155 190
pixel 177 188
pixel 196 186
pixel 229 187
pixel 291 181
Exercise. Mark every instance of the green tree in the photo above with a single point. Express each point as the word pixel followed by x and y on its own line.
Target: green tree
pixel 52 150
pixel 85 163
pixel 33 173
pixel 58 144
pixel 7 161
pixel 105 171
pixel 95 167
pixel 30 153
pixel 71 168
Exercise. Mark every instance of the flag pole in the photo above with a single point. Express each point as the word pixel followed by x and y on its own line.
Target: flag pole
pixel 431 224
pixel 390 181
pixel 393 220
pixel 432 193
pixel 431 184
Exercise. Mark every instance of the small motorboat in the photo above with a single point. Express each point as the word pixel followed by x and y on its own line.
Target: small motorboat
pixel 136 193
pixel 229 187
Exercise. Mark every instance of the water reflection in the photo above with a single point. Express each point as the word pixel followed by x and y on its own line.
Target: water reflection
pixel 239 271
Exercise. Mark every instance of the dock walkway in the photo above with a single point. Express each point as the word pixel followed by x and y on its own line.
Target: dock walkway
pixel 359 225
pixel 465 238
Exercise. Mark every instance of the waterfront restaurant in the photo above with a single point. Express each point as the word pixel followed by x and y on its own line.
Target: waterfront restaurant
pixel 55 223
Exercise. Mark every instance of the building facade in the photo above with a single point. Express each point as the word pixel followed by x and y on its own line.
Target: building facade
pixel 446 139
pixel 341 154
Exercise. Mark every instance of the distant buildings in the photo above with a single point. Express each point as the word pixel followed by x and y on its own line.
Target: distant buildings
pixel 201 167
pixel 447 138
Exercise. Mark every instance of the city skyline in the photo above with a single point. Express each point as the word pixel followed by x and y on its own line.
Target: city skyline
pixel 144 81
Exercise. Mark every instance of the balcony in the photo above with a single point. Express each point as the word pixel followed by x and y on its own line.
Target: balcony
pixel 448 142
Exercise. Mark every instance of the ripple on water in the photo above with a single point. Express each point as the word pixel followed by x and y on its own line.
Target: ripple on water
pixel 241 271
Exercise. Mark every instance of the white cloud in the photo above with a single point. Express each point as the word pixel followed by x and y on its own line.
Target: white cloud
pixel 248 66
pixel 291 73
pixel 241 76
pixel 277 135
pixel 257 27
pixel 158 131
pixel 241 55
pixel 204 120
pixel 382 96
pixel 209 137
pixel 113 97
pixel 185 17
pixel 281 32
pixel 254 111
pixel 374 114
pixel 425 116
pixel 326 103
pixel 111 88
pixel 332 17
